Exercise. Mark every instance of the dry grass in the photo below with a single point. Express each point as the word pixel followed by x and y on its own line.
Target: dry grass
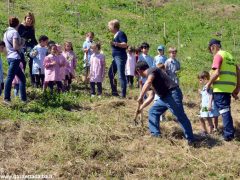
pixel 111 146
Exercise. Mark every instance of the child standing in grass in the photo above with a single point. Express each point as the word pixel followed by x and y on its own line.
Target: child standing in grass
pixel 147 58
pixel 52 64
pixel 97 69
pixel 38 53
pixel 71 64
pixel 208 108
pixel 130 66
pixel 172 65
pixel 2 50
pixel 160 59
pixel 87 54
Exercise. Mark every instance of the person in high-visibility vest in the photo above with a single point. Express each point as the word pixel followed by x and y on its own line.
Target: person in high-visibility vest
pixel 225 82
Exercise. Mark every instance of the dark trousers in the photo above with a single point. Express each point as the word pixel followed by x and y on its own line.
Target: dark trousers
pixel 130 80
pixel 223 102
pixel 118 65
pixel 51 84
pixel 99 88
pixel 13 70
pixel 38 80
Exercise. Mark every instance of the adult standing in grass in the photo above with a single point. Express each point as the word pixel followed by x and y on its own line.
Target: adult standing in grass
pixel 224 80
pixel 27 31
pixel 170 98
pixel 119 46
pixel 14 43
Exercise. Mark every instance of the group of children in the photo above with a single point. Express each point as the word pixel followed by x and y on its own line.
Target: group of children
pixel 51 65
pixel 54 65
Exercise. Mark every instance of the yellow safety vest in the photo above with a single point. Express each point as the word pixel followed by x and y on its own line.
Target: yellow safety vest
pixel 227 80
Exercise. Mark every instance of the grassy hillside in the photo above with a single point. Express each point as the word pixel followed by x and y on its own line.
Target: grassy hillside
pixel 196 22
pixel 71 136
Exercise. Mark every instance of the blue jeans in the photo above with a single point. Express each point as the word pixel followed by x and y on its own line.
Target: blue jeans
pixel 118 65
pixel 222 102
pixel 13 70
pixel 173 102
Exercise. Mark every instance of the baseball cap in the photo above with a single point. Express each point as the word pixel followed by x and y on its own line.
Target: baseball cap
pixel 214 41
pixel 161 47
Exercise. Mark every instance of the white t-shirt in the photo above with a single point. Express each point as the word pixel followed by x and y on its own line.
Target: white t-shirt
pixel 9 35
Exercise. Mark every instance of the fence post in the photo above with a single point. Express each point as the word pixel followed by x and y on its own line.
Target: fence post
pixel 234 42
pixel 8 2
pixel 178 40
pixel 164 30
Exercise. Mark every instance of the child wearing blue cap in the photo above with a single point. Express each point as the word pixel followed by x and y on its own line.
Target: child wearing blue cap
pixel 160 59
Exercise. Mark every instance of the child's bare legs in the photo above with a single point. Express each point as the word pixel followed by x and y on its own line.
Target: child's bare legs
pixel 203 125
pixel 215 123
pixel 210 125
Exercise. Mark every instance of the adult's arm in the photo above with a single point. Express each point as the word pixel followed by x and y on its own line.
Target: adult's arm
pixel 145 88
pixel 213 78
pixel 121 45
pixel 17 43
pixel 237 89
pixel 148 101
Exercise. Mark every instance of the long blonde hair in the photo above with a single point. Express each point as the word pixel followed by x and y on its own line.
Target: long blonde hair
pixel 31 15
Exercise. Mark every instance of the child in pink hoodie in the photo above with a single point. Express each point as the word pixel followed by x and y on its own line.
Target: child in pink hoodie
pixel 71 64
pixel 52 64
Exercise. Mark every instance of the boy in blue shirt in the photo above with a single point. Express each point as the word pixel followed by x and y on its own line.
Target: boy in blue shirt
pixel 147 58
pixel 160 59
pixel 87 54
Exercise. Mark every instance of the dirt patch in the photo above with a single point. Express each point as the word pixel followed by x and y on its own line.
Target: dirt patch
pixel 219 9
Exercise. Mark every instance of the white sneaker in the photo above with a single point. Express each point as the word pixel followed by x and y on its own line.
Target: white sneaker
pixel 99 96
pixel 92 95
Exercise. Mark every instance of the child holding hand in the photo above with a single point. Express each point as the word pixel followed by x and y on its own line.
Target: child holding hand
pixel 208 111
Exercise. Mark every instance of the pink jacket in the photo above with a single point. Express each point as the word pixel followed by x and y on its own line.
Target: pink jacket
pixel 64 64
pixel 52 72
pixel 71 64
pixel 97 68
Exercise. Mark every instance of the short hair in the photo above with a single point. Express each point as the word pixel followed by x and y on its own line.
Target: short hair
pixel 114 23
pixel 13 21
pixel 42 38
pixel 131 49
pixel 90 34
pixel 141 65
pixel 204 75
pixel 2 43
pixel 51 42
pixel 172 49
pixel 145 45
pixel 96 44
pixel 51 46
